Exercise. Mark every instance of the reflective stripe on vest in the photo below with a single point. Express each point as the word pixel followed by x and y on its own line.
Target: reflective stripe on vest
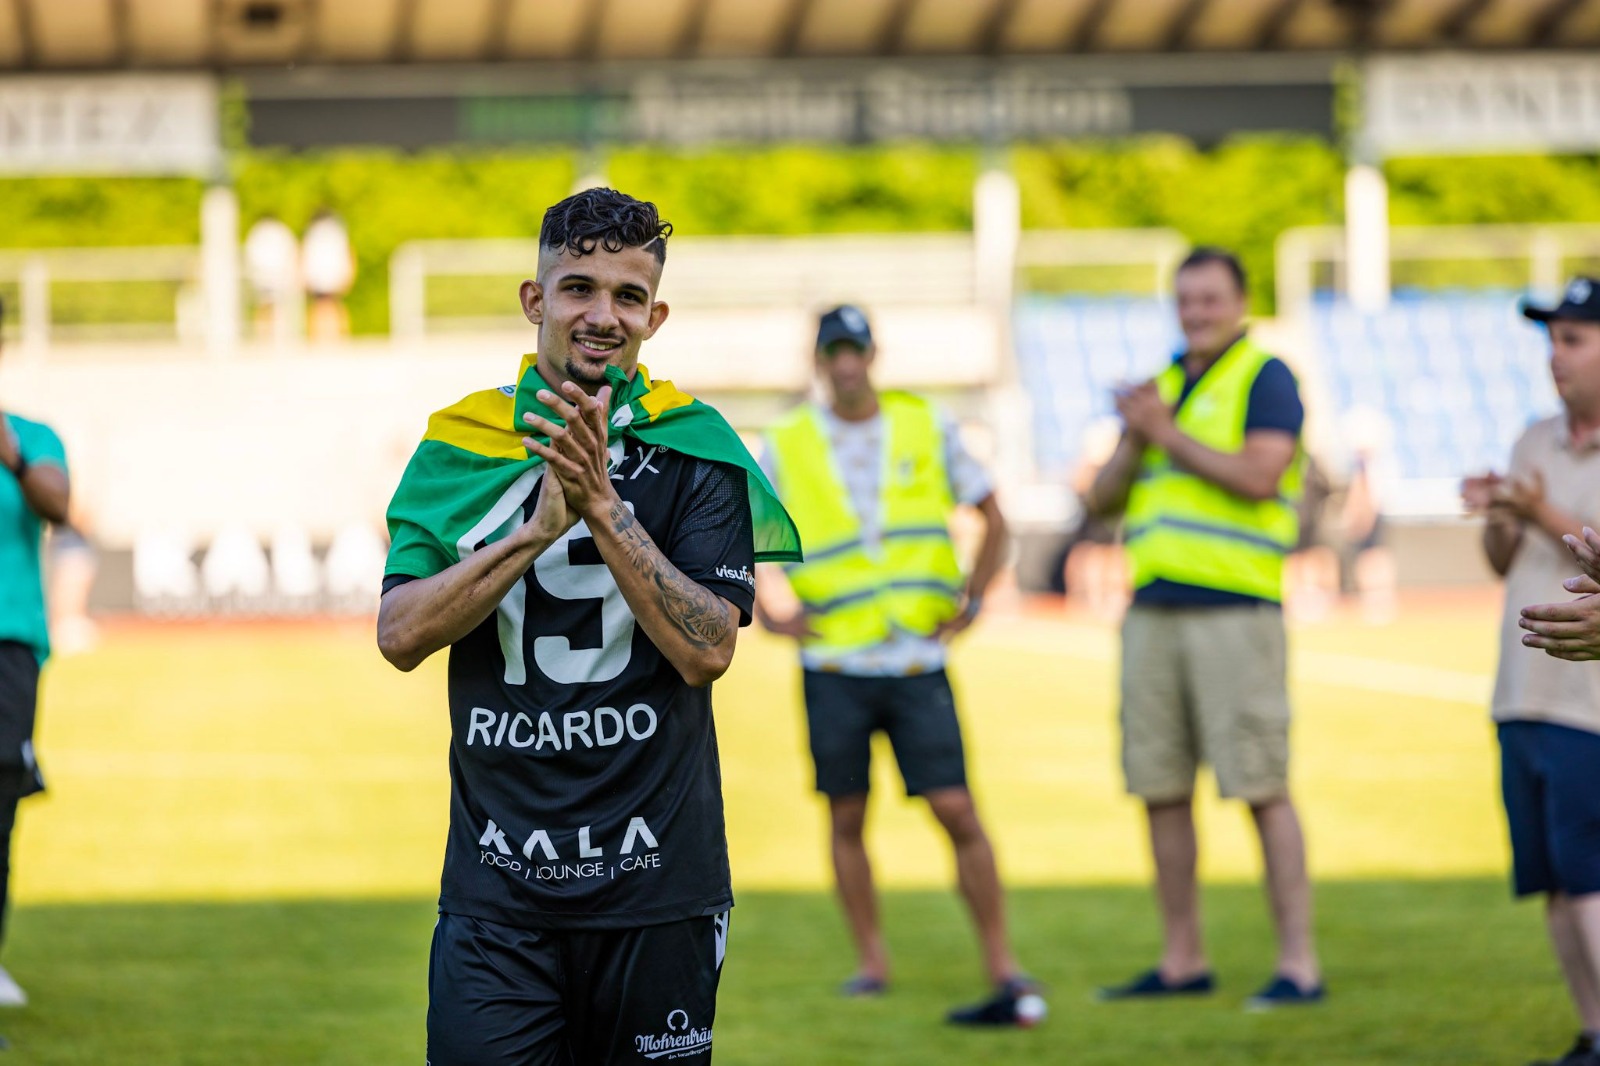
pixel 1185 529
pixel 855 598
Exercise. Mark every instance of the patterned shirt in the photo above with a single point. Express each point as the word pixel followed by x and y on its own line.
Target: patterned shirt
pixel 858 452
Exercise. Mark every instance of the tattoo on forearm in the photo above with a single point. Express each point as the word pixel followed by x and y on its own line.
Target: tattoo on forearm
pixel 697 612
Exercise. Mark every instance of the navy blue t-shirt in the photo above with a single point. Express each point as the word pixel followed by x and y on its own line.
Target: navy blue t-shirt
pixel 1274 404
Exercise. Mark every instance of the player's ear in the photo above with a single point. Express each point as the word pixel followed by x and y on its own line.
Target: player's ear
pixel 658 315
pixel 532 294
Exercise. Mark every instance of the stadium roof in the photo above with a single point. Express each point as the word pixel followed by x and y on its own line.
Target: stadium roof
pixel 222 34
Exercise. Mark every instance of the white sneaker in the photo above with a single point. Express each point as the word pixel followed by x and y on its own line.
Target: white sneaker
pixel 11 993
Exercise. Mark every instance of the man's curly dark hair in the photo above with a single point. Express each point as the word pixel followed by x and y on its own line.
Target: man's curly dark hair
pixel 604 218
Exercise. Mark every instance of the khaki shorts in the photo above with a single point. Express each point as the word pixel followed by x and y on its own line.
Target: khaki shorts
pixel 1205 684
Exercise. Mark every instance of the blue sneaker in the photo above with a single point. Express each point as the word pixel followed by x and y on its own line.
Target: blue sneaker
pixel 863 987
pixel 1282 992
pixel 1151 985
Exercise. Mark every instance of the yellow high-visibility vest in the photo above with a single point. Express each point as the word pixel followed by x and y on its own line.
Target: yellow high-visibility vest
pixel 1183 528
pixel 855 597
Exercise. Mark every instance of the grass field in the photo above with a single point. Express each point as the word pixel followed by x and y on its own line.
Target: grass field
pixel 236 860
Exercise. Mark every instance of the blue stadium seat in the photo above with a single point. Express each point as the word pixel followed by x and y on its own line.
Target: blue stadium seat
pixel 1073 350
pixel 1457 373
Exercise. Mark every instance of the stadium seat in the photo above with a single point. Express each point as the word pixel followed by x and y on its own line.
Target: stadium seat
pixel 296 574
pixel 1459 374
pixel 1075 350
pixel 165 578
pixel 354 568
pixel 235 569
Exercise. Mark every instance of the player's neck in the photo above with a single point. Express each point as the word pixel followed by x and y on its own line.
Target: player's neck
pixel 857 407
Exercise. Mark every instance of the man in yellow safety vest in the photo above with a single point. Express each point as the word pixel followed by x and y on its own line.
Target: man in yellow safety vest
pixel 1208 474
pixel 871 479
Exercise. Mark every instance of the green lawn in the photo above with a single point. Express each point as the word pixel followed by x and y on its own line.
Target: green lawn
pixel 236 859
pixel 1422 972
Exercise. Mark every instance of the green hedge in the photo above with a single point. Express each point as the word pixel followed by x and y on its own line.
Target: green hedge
pixel 1486 189
pixel 803 189
pixel 60 212
pixel 1241 194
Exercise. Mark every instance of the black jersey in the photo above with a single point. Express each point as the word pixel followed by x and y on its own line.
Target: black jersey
pixel 585 786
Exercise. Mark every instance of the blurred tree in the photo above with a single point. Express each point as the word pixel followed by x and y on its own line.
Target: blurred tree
pixel 54 211
pixel 1240 195
pixel 1480 189
pixel 804 189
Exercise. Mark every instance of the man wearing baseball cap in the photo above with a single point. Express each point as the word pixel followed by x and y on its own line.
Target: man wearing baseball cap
pixel 871 478
pixel 1547 709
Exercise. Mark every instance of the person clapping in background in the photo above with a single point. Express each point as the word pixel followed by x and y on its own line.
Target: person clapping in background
pixel 1548 712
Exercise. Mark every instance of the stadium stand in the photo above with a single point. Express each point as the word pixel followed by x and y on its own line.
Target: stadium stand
pixel 1458 375
pixel 1075 350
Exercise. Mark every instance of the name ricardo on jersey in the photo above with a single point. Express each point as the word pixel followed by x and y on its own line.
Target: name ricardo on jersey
pixel 604 728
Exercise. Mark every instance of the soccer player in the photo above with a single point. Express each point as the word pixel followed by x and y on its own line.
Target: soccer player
pixel 1547 711
pixel 873 478
pixel 588 602
pixel 33 490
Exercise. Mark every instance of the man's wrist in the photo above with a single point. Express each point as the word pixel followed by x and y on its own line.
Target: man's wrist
pixel 601 509
pixel 528 543
pixel 1163 435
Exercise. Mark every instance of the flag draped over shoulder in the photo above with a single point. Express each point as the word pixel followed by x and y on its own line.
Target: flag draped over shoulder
pixel 469 478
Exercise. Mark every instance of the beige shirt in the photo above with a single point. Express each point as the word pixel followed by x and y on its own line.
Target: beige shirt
pixel 1533 686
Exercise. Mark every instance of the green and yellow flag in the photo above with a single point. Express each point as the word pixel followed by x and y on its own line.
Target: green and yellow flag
pixel 472 461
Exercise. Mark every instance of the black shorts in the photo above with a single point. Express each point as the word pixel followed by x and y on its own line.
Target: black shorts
pixel 1547 778
pixel 918 713
pixel 1376 537
pixel 19 700
pixel 503 996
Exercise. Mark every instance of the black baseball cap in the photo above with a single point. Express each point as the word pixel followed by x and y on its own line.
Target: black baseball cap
pixel 845 323
pixel 1580 303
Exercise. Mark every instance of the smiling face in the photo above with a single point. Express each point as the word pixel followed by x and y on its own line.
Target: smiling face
pixel 1211 306
pixel 593 311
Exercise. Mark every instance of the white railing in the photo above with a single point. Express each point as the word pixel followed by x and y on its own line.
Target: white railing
pixel 1158 248
pixel 36 270
pixel 708 272
pixel 1544 249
